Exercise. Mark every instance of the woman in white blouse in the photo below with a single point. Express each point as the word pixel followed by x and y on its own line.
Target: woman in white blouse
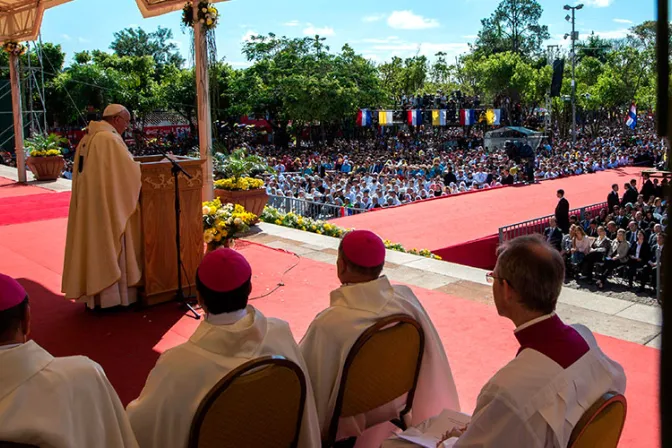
pixel 580 245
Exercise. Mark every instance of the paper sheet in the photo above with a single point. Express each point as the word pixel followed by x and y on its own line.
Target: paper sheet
pixel 429 433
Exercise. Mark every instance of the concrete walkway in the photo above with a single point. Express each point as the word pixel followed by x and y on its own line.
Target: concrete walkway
pixel 621 319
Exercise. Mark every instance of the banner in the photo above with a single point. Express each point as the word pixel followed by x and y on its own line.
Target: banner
pixel 364 117
pixel 439 117
pixel 415 117
pixel 385 118
pixel 467 117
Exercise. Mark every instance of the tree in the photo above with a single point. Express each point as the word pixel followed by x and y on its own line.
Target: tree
pixel 136 42
pixel 514 26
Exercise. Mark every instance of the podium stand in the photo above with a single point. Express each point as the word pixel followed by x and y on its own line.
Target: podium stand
pixel 157 204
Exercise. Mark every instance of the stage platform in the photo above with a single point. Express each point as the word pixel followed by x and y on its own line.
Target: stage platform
pixel 463 228
pixel 127 342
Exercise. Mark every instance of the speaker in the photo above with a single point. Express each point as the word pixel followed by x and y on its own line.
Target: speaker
pixel 558 72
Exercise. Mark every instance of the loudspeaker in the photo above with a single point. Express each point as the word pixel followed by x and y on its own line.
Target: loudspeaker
pixel 558 72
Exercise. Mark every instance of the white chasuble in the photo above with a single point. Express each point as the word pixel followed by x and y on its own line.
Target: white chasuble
pixel 104 236
pixel 59 402
pixel 354 308
pixel 533 402
pixel 161 416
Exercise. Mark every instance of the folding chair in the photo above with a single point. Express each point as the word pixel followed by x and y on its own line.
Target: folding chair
pixel 602 423
pixel 259 403
pixel 382 365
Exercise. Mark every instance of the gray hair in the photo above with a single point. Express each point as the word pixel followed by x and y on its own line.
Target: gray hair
pixel 534 269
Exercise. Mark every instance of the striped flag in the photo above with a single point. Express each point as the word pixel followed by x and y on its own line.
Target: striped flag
pixel 364 117
pixel 631 121
pixel 467 117
pixel 439 117
pixel 385 117
pixel 415 117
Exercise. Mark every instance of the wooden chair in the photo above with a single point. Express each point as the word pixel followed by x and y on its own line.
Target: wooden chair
pixel 259 403
pixel 602 424
pixel 382 365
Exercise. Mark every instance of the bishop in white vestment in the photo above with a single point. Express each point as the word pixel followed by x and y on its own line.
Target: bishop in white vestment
pixel 536 400
pixel 52 402
pixel 232 334
pixel 364 299
pixel 103 249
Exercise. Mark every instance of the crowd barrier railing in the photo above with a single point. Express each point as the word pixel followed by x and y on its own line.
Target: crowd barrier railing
pixel 311 209
pixel 538 225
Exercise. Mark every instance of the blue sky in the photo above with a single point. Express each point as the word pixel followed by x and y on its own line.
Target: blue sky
pixel 378 30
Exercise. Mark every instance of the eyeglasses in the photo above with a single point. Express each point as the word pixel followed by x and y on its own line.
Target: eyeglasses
pixel 490 278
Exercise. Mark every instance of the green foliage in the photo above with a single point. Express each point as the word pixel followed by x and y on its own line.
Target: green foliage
pixel 45 142
pixel 240 164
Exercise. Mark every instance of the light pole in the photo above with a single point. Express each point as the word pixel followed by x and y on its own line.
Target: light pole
pixel 574 38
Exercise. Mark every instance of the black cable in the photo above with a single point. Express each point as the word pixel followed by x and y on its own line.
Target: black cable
pixel 281 283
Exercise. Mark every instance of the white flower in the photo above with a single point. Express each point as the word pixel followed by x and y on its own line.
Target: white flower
pixel 237 221
pixel 209 238
pixel 229 221
pixel 206 210
pixel 204 9
pixel 202 21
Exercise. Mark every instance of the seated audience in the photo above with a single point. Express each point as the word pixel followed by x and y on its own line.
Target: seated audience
pixel 640 253
pixel 559 371
pixel 650 271
pixel 231 334
pixel 52 402
pixel 615 257
pixel 580 245
pixel 364 298
pixel 598 249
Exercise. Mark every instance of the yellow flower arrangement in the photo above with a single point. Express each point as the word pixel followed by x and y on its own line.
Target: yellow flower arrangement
pixel 274 216
pixel 207 15
pixel 47 153
pixel 14 48
pixel 242 183
pixel 222 222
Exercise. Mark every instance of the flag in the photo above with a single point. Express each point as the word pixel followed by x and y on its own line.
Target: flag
pixel 385 117
pixel 415 117
pixel 467 117
pixel 631 121
pixel 364 117
pixel 493 116
pixel 439 117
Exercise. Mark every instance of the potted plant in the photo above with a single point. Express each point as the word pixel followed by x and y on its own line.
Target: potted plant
pixel 44 156
pixel 222 223
pixel 236 186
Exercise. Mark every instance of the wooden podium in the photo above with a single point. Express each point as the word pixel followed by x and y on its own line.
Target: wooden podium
pixel 157 203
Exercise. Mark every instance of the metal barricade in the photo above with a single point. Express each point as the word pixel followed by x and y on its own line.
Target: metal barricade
pixel 311 209
pixel 538 225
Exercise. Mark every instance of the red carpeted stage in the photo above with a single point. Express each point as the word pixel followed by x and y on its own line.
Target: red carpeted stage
pixel 463 228
pixel 127 343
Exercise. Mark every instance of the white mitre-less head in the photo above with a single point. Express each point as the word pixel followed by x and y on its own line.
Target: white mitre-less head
pixel 114 109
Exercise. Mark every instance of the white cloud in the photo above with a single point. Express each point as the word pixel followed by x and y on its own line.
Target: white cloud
pixel 83 40
pixel 622 21
pixel 292 23
pixel 599 3
pixel 381 41
pixel 66 37
pixel 373 18
pixel 372 57
pixel 406 20
pixel 248 36
pixel 613 34
pixel 312 30
pixel 470 36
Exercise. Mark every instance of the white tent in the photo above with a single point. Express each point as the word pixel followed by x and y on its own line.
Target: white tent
pixel 20 20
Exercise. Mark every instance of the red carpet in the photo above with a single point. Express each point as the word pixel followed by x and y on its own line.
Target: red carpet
pixel 36 207
pixel 9 188
pixel 127 343
pixel 440 224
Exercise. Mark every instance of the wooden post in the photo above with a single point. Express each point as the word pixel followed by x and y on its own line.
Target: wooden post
pixel 203 104
pixel 18 116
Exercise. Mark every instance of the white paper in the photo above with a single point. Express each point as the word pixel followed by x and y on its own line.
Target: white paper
pixel 428 433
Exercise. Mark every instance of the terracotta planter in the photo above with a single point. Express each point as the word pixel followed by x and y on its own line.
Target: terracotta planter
pixel 254 201
pixel 46 168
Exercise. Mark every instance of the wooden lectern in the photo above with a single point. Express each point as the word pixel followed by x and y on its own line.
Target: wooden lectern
pixel 157 203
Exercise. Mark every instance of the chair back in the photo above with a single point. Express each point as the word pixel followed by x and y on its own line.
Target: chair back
pixel 602 423
pixel 259 403
pixel 382 365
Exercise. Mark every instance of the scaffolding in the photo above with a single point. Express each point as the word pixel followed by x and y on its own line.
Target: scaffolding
pixel 32 94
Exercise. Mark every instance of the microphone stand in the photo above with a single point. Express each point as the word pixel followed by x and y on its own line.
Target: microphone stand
pixel 179 295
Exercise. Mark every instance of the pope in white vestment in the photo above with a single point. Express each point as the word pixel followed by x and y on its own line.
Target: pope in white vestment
pixel 354 307
pixel 53 402
pixel 103 249
pixel 162 415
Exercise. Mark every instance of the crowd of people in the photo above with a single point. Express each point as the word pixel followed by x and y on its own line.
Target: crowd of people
pixel 626 237
pixel 539 395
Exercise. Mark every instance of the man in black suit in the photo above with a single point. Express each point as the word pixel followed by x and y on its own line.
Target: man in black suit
pixel 507 178
pixel 631 234
pixel 449 177
pixel 650 271
pixel 553 234
pixel 562 212
pixel 640 254
pixel 648 189
pixel 612 198
pixel 629 196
